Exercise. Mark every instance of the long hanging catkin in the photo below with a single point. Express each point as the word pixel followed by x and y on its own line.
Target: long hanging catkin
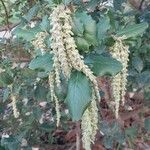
pixel 13 102
pixel 38 42
pixel 120 52
pixel 66 55
pixel 89 124
pixel 75 58
pixel 14 107
pixel 66 58
pixel 57 44
pixel 54 97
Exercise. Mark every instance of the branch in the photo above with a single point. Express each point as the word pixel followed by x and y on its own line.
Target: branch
pixel 78 136
pixel 11 26
pixel 6 13
pixel 20 60
pixel 141 4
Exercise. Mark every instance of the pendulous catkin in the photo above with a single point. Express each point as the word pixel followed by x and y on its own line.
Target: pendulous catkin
pixel 89 124
pixel 66 55
pixel 54 98
pixel 13 102
pixel 66 58
pixel 14 107
pixel 38 42
pixel 120 52
pixel 74 57
pixel 57 44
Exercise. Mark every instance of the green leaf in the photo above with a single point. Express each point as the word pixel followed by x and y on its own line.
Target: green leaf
pixel 133 30
pixel 45 24
pixel 2 109
pixel 102 65
pixel 26 34
pixel 47 127
pixel 131 132
pixel 102 27
pixel 108 142
pixel 42 74
pixel 147 96
pixel 61 91
pixel 21 135
pixel 91 4
pixel 88 23
pixel 119 137
pixel 50 2
pixel 37 112
pixel 137 63
pixel 44 62
pixel 57 1
pixel 82 44
pixel 10 143
pixel 2 148
pixel 77 26
pixel 5 94
pixel 118 4
pixel 79 94
pixel 90 39
pixel 66 2
pixel 28 148
pixel 27 73
pixel 147 124
pixel 84 28
pixel 143 79
pixel 32 12
pixel 5 78
pixel 40 92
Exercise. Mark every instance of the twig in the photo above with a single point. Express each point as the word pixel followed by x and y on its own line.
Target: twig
pixel 72 147
pixel 11 26
pixel 104 83
pixel 6 13
pixel 78 135
pixel 127 115
pixel 21 60
pixel 141 4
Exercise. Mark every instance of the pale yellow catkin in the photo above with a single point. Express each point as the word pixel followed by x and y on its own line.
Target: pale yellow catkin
pixel 66 58
pixel 57 109
pixel 66 55
pixel 75 58
pixel 51 84
pixel 116 88
pixel 57 43
pixel 120 52
pixel 94 118
pixel 86 128
pixel 54 98
pixel 14 107
pixel 38 41
pixel 89 124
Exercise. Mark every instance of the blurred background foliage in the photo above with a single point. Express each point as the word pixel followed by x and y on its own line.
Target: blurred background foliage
pixel 26 69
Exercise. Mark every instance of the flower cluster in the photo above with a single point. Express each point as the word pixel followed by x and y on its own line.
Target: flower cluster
pixel 54 97
pixel 38 42
pixel 14 107
pixel 13 103
pixel 89 123
pixel 75 59
pixel 61 63
pixel 66 58
pixel 66 55
pixel 120 52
